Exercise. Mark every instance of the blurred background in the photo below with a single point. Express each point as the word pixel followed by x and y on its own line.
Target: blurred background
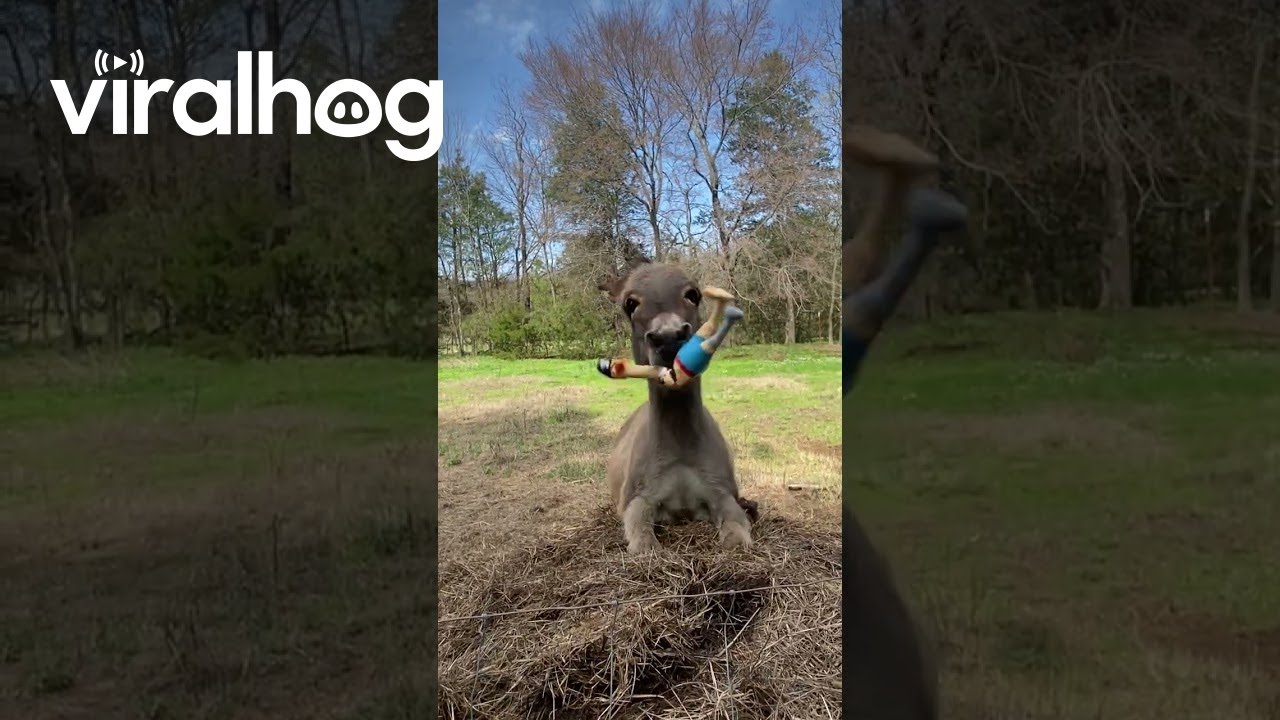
pixel 1066 442
pixel 216 376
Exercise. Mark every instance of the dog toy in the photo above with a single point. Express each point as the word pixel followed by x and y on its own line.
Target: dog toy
pixel 871 291
pixel 931 213
pixel 694 356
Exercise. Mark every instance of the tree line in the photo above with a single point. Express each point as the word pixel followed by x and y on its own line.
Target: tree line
pixel 1112 153
pixel 704 136
pixel 235 244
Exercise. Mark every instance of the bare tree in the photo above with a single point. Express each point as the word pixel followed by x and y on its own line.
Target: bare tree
pixel 629 54
pixel 717 51
pixel 511 152
pixel 832 70
pixel 1275 219
pixel 620 58
pixel 548 226
pixel 353 66
pixel 56 227
pixel 1275 188
pixel 1244 274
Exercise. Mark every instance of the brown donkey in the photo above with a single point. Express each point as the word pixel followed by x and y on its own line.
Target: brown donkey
pixel 670 463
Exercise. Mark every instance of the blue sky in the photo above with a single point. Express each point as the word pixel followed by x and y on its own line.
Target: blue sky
pixel 480 41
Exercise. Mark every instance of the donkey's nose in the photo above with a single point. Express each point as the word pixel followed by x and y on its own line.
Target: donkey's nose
pixel 666 336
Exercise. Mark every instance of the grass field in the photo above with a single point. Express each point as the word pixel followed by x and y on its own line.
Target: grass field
pixel 525 526
pixel 187 539
pixel 1083 508
pixel 544 427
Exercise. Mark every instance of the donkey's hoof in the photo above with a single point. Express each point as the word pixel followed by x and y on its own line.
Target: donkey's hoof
pixel 644 545
pixel 734 536
pixel 936 210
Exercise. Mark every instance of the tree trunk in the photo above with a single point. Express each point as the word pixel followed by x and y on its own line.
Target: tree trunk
pixel 1029 295
pixel 353 71
pixel 1275 218
pixel 656 229
pixel 278 234
pixel 143 147
pixel 1244 291
pixel 791 320
pixel 835 299
pixel 527 286
pixel 29 311
pixel 64 51
pixel 455 293
pixel 75 327
pixel 1210 283
pixel 253 154
pixel 524 293
pixel 44 232
pixel 114 329
pixel 712 179
pixel 1117 281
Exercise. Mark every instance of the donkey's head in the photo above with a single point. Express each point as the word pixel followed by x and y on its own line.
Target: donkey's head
pixel 661 304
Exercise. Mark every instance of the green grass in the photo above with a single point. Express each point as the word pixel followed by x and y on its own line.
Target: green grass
pixel 44 388
pixel 188 538
pixel 776 404
pixel 1082 506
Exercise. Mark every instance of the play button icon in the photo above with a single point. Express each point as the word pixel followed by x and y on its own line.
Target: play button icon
pixel 105 62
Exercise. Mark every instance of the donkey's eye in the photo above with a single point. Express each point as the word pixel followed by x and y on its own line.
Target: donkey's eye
pixel 693 296
pixel 629 305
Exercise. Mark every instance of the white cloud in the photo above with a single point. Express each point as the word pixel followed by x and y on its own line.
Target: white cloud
pixel 505 18
pixel 474 133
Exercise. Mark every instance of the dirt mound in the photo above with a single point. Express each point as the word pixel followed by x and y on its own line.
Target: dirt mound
pixel 576 629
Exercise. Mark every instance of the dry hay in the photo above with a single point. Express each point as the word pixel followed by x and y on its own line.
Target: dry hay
pixel 576 629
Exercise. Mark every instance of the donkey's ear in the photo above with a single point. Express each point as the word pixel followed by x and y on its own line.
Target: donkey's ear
pixel 632 257
pixel 610 286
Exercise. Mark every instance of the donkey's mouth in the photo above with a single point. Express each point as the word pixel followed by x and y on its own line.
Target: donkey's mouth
pixel 665 355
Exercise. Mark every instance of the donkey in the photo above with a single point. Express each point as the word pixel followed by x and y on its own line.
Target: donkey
pixel 670 463
pixel 890 673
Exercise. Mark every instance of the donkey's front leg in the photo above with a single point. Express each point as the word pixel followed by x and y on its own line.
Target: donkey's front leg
pixel 637 527
pixel 735 526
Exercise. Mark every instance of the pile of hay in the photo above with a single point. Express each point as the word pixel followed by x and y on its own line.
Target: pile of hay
pixel 694 632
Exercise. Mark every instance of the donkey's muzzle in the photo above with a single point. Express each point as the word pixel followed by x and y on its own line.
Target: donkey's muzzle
pixel 659 339
pixel 666 340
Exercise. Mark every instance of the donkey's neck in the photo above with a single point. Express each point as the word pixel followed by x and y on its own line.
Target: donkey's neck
pixel 675 412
